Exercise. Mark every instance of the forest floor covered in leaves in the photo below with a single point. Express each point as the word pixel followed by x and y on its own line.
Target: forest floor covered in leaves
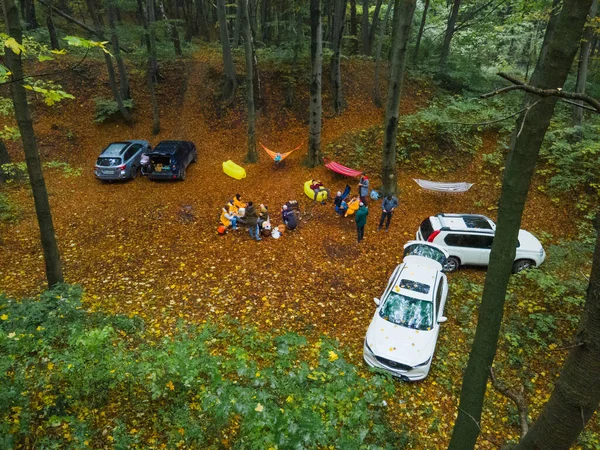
pixel 135 251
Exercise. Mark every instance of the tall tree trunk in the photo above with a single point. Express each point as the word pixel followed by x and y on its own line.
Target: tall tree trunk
pixel 316 108
pixel 114 38
pixel 577 391
pixel 54 43
pixel 230 83
pixel 551 72
pixel 421 28
pixel 395 20
pixel 339 17
pixel 31 22
pixel 172 30
pixel 353 26
pixel 189 19
pixel 147 16
pixel 449 33
pixel 252 155
pixel 376 93
pixel 364 28
pixel 406 11
pixel 54 272
pixel 374 25
pixel 201 21
pixel 584 58
pixel 266 18
pixel 238 24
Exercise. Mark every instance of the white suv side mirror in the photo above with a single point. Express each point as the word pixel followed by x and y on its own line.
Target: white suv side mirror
pixel 377 301
pixel 442 319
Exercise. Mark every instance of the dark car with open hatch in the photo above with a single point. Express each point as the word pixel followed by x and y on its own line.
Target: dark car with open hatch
pixel 170 159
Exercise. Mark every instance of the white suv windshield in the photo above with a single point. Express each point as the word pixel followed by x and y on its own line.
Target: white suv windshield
pixel 408 312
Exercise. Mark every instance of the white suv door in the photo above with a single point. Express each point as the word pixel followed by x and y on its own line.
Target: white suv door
pixel 462 246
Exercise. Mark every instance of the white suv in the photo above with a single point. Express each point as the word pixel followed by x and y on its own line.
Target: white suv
pixel 468 240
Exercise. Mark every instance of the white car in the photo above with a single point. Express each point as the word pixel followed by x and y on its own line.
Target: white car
pixel 468 240
pixel 403 333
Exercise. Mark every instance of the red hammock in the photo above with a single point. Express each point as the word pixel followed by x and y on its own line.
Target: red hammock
pixel 343 170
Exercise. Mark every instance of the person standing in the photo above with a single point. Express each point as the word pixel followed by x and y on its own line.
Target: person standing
pixel 363 188
pixel 388 205
pixel 251 217
pixel 361 220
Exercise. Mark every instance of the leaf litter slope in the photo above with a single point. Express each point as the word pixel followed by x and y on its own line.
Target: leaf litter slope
pixel 134 252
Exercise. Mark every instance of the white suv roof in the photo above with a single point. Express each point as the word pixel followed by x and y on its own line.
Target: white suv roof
pixel 470 222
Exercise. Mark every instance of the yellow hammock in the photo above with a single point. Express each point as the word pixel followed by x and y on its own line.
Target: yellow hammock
pixel 273 154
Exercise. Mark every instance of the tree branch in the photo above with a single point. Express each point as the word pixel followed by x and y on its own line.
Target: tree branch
pixel 518 399
pixel 47 74
pixel 95 32
pixel 467 22
pixel 522 86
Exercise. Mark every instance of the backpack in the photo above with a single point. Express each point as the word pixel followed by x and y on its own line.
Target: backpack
pixel 374 195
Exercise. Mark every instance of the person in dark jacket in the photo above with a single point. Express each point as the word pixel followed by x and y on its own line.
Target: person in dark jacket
pixel 288 217
pixel 251 217
pixel 361 220
pixel 388 205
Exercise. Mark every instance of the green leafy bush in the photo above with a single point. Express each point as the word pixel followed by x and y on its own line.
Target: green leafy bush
pixel 108 108
pixel 70 378
pixel 9 211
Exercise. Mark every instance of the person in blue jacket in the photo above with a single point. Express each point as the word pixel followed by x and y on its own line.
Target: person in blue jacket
pixel 288 217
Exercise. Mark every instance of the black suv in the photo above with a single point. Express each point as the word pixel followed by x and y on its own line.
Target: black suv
pixel 169 160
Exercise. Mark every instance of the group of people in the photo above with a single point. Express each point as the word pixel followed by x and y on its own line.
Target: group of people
pixel 258 221
pixel 358 206
pixel 238 213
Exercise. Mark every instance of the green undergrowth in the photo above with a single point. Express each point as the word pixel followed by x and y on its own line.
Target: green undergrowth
pixel 437 139
pixel 71 378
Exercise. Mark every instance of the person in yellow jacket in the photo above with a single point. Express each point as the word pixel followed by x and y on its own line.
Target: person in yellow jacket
pixel 237 201
pixel 228 219
pixel 353 206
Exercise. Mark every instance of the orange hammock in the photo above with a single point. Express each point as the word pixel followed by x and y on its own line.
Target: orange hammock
pixel 273 154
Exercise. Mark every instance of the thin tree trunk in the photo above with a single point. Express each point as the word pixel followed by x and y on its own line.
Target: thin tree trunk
pixel 54 43
pixel 93 9
pixel 577 391
pixel 266 26
pixel 172 30
pixel 449 33
pixel 584 59
pixel 4 159
pixel 376 93
pixel 551 72
pixel 252 155
pixel 353 26
pixel 230 83
pixel 364 28
pixel 315 109
pixel 114 38
pixel 421 28
pixel 110 70
pixel 54 272
pixel 147 16
pixel 374 25
pixel 190 23
pixel 339 17
pixel 406 11
pixel 238 24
